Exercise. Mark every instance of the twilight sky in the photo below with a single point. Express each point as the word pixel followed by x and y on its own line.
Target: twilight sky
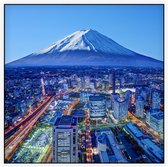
pixel 29 28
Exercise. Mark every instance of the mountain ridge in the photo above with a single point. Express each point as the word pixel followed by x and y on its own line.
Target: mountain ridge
pixel 87 47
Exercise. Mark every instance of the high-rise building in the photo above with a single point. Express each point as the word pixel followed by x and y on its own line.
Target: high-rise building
pixel 156 122
pixel 87 81
pixel 120 108
pixel 92 85
pixel 144 94
pixel 97 106
pixel 112 99
pixel 65 86
pixel 84 96
pixel 138 91
pixel 110 78
pixel 65 140
pixel 139 112
pixel 69 82
pixel 82 82
pixel 43 88
pixel 113 82
pixel 105 85
pixel 154 118
pixel 128 94
pixel 156 100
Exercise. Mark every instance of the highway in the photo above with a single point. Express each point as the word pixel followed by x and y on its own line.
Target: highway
pixel 12 129
pixel 17 138
pixel 16 134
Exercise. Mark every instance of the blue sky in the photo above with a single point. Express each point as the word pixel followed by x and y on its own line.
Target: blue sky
pixel 29 28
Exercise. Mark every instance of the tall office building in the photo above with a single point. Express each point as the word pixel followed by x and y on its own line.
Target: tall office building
pixel 84 96
pixel 156 100
pixel 112 99
pixel 97 106
pixel 69 82
pixel 120 108
pixel 113 91
pixel 43 88
pixel 92 85
pixel 87 82
pixel 82 82
pixel 105 85
pixel 128 94
pixel 154 118
pixel 65 140
pixel 139 112
pixel 110 78
pixel 138 91
pixel 113 82
pixel 144 94
pixel 65 86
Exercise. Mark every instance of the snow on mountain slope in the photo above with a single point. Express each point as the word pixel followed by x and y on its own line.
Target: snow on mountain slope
pixel 87 47
pixel 86 40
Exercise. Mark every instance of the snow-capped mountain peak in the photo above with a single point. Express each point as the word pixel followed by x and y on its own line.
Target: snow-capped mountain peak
pixel 86 40
pixel 86 47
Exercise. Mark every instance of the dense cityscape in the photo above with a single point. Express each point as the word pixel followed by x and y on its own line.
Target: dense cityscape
pixel 84 114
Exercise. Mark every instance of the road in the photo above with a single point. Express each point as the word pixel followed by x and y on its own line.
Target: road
pixel 23 128
pixel 15 140
pixel 89 151
pixel 48 156
pixel 71 107
pixel 141 124
pixel 12 129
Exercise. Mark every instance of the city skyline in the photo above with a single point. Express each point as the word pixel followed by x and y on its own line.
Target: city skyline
pixel 84 115
pixel 142 32
pixel 95 95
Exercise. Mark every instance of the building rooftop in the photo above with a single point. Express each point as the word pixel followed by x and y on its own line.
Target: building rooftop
pixel 102 138
pixel 121 99
pixel 134 130
pixel 104 156
pixel 158 116
pixel 153 148
pixel 108 137
pixel 96 98
pixel 152 111
pixel 139 98
pixel 66 120
pixel 78 113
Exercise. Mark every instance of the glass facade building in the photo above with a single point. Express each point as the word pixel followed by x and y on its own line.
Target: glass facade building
pixel 65 140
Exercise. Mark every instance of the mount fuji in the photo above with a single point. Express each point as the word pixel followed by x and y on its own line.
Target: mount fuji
pixel 86 47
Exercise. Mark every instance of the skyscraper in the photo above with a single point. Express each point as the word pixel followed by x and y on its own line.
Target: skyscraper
pixel 128 94
pixel 120 108
pixel 65 140
pixel 110 78
pixel 97 106
pixel 156 100
pixel 113 82
pixel 139 112
pixel 69 82
pixel 43 88
pixel 82 82
pixel 154 118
